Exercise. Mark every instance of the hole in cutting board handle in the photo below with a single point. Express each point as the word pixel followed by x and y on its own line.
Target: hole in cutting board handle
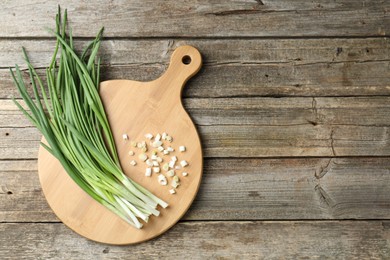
pixel 186 60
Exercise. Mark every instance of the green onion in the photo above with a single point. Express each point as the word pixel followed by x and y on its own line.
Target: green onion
pixel 75 126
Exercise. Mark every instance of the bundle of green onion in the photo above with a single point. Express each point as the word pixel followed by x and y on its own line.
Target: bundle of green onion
pixel 73 121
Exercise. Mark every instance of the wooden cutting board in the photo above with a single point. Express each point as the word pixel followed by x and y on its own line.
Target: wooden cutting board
pixel 135 108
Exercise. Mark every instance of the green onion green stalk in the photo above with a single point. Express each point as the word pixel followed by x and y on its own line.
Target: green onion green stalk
pixel 72 119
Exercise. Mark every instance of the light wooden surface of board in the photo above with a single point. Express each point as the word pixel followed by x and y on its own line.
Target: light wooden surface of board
pixel 292 106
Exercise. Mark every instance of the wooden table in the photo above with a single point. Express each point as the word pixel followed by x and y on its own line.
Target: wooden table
pixel 293 108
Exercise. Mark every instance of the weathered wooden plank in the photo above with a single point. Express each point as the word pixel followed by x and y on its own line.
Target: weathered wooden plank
pixel 255 127
pixel 239 141
pixel 215 51
pixel 251 189
pixel 204 19
pixel 210 240
pixel 20 191
pixel 304 67
pixel 355 111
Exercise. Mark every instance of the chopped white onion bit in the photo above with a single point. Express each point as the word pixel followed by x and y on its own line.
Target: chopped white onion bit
pixel 174 184
pixel 125 137
pixel 160 148
pixel 149 162
pixel 164 136
pixel 133 162
pixel 155 163
pixel 176 178
pixel 174 158
pixel 157 138
pixel 156 169
pixel 184 174
pixel 166 152
pixel 143 157
pixel 170 149
pixel 131 153
pixel 171 173
pixel 172 164
pixel 162 180
pixel 149 136
pixel 148 172
pixel 166 167
pixel 182 148
pixel 154 157
pixel 169 138
pixel 172 191
pixel 159 159
pixel 184 163
pixel 156 144
pixel 177 167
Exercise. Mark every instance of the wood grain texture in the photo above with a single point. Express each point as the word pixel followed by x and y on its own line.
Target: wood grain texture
pixel 214 51
pixel 255 127
pixel 234 67
pixel 354 111
pixel 246 189
pixel 204 18
pixel 217 240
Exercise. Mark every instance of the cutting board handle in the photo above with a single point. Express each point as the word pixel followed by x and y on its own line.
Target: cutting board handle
pixel 185 62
